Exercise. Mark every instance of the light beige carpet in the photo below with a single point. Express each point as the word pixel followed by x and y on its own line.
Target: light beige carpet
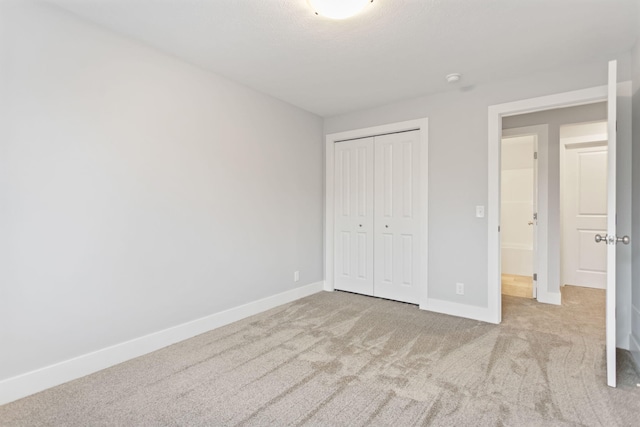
pixel 344 359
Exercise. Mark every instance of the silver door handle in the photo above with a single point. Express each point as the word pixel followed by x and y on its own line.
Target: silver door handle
pixel 624 239
pixel 610 240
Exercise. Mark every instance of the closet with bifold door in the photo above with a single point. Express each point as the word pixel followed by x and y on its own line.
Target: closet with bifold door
pixel 377 224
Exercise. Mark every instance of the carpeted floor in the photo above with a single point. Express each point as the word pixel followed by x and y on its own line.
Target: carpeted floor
pixel 344 359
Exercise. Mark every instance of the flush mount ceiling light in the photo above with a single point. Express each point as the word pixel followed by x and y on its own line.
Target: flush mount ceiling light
pixel 338 9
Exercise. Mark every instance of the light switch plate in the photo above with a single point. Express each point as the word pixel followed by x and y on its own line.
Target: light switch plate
pixel 479 211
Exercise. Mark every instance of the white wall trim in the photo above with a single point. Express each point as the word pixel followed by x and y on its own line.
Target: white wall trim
pixel 331 139
pixel 32 382
pixel 461 310
pixel 554 298
pixel 495 115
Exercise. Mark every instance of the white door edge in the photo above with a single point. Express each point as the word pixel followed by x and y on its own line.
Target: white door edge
pixel 612 97
pixel 495 115
pixel 330 140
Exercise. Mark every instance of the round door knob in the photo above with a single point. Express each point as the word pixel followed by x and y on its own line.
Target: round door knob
pixel 625 240
pixel 359 225
pixel 600 238
pixel 386 226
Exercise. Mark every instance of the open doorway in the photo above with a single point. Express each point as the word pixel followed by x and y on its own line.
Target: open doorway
pixel 533 197
pixel 497 116
pixel 611 93
pixel 518 204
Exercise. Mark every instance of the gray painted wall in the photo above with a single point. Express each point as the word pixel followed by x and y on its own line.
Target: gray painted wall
pixel 458 166
pixel 138 192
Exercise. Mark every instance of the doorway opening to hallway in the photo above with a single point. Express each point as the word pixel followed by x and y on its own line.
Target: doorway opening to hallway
pixel 553 201
pixel 519 200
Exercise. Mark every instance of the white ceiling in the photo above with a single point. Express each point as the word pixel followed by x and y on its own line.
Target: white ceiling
pixel 397 49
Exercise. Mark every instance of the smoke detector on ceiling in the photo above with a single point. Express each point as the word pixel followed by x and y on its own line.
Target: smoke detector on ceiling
pixel 453 77
pixel 338 9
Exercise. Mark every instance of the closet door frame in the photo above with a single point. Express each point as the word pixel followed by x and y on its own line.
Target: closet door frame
pixel 329 245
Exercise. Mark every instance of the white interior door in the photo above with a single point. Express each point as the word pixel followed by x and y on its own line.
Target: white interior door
pixel 584 215
pixel 611 239
pixel 353 254
pixel 397 222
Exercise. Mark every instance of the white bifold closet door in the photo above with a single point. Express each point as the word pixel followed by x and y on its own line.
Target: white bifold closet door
pixel 396 222
pixel 377 216
pixel 354 216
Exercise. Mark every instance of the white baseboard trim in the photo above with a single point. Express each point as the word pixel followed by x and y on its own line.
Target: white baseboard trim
pixel 554 298
pixel 328 287
pixel 460 310
pixel 49 376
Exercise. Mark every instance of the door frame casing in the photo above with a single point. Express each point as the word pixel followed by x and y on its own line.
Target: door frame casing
pixel 419 124
pixel 495 115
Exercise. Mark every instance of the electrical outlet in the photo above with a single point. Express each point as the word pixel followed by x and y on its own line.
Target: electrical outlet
pixel 296 276
pixel 460 288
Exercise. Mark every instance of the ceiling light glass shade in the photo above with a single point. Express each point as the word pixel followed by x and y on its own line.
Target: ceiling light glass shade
pixel 338 9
